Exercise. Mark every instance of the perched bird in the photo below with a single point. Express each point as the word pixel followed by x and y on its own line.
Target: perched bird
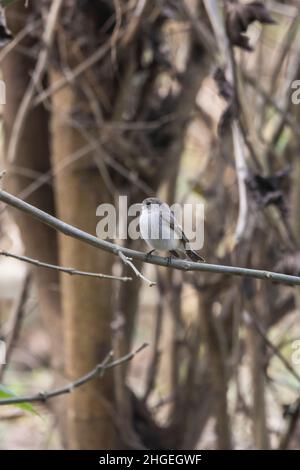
pixel 161 231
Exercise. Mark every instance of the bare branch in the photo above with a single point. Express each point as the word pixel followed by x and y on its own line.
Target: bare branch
pixel 127 261
pixel 227 52
pixel 36 77
pixel 250 319
pixel 113 248
pixel 98 371
pixel 70 271
pixel 242 173
pixel 287 118
pixel 29 28
pixel 16 324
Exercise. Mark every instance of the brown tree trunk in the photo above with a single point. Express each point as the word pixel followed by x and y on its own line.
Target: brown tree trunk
pixel 86 303
pixel 216 351
pixel 34 156
pixel 260 430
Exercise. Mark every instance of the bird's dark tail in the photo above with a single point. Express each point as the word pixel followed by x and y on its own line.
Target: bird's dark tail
pixel 194 256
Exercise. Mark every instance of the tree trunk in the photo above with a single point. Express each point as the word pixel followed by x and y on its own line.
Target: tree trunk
pixel 216 350
pixel 34 156
pixel 86 303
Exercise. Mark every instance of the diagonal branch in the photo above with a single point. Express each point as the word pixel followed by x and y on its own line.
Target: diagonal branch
pixel 123 36
pixel 38 73
pixel 16 324
pixel 70 271
pixel 115 249
pixel 127 260
pixel 216 17
pixel 98 371
pixel 250 319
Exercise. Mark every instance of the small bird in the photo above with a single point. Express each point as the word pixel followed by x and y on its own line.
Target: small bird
pixel 161 231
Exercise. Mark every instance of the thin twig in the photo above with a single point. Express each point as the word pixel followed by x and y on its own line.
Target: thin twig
pixel 70 271
pixel 126 36
pixel 41 64
pixel 16 323
pixel 98 371
pixel 45 178
pixel 93 59
pixel 227 52
pixel 252 320
pixel 285 45
pixel 29 28
pixel 294 415
pixel 242 173
pixel 289 120
pixel 200 30
pixel 285 101
pixel 135 22
pixel 127 260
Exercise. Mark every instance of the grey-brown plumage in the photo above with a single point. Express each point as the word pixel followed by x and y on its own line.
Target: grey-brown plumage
pixel 162 232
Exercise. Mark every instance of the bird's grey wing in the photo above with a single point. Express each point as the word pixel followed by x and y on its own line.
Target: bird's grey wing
pixel 168 216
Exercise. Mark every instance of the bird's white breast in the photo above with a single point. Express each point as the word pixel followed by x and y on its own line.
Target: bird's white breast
pixel 156 232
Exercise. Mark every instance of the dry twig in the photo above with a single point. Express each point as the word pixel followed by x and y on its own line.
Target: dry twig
pixel 97 372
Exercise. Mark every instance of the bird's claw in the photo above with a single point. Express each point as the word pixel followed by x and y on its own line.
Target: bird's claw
pixel 169 260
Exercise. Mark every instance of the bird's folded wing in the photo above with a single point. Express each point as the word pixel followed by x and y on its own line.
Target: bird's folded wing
pixel 168 216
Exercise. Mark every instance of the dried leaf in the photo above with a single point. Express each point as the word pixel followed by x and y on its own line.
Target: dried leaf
pixel 226 90
pixel 268 190
pixel 226 119
pixel 239 16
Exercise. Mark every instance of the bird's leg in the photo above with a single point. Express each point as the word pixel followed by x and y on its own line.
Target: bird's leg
pixel 169 258
pixel 149 254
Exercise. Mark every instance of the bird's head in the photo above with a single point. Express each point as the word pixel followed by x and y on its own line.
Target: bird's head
pixel 151 203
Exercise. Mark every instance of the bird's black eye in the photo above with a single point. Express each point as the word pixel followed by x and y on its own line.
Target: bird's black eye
pixel 148 203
